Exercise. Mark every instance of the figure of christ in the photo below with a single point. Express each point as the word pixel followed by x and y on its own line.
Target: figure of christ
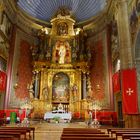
pixel 62 54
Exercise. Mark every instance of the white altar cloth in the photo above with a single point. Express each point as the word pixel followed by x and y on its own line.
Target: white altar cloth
pixel 57 113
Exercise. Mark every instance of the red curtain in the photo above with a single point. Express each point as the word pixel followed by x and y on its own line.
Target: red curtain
pixel 129 91
pixel 2 81
pixel 116 82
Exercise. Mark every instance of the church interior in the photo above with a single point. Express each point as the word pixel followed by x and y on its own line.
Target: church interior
pixel 70 64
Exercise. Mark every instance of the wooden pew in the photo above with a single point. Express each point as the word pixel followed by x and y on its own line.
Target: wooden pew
pixel 87 138
pixel 82 132
pixel 114 131
pixel 28 129
pixel 69 129
pixel 128 136
pixel 111 129
pixel 125 132
pixel 10 131
pixel 16 135
pixel 8 137
pixel 135 138
pixel 80 129
pixel 84 135
pixel 31 129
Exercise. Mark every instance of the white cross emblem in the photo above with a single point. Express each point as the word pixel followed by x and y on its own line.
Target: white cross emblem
pixel 129 91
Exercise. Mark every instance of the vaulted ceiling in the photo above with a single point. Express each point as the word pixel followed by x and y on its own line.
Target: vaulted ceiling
pixel 81 10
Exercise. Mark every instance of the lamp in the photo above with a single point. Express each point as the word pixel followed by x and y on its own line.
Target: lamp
pixel 27 106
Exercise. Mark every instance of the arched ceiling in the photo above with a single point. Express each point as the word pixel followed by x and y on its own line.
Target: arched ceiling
pixel 81 10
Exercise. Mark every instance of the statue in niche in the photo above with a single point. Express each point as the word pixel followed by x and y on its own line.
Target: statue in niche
pixel 62 28
pixel 62 52
pixel 30 88
pixel 74 91
pixel 45 93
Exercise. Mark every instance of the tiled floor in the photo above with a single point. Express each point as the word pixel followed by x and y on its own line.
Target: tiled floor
pixel 52 131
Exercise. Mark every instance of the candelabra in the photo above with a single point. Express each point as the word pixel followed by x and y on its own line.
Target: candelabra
pixel 27 106
pixel 96 106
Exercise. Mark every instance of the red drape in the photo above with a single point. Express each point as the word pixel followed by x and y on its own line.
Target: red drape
pixel 2 81
pixel 116 82
pixel 129 91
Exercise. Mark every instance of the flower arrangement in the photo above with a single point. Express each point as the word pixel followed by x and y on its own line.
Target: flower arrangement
pixel 56 118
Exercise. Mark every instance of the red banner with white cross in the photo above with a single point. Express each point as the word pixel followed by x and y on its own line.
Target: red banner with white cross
pixel 129 91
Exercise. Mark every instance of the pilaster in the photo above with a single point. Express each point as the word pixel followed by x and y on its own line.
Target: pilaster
pixel 124 35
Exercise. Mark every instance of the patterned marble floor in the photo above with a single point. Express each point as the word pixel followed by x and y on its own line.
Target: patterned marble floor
pixel 52 131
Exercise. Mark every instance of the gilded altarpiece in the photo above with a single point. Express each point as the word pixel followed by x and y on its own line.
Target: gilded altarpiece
pixel 59 68
pixel 59 83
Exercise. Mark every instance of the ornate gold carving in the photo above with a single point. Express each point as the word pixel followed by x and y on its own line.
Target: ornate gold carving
pixel 1 7
pixel 62 44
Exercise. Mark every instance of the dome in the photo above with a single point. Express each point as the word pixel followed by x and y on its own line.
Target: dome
pixel 80 10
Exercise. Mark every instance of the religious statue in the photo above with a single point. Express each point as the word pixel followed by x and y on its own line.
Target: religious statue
pixel 74 91
pixel 30 90
pixel 62 53
pixel 62 29
pixel 45 93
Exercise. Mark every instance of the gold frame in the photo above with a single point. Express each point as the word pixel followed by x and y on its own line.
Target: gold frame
pixel 47 80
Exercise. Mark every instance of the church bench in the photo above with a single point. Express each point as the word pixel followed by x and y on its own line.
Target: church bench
pixel 28 129
pixel 14 135
pixel 125 132
pixel 90 131
pixel 8 137
pixel 117 129
pixel 114 131
pixel 7 131
pixel 87 138
pixel 83 132
pixel 75 129
pixel 135 138
pixel 128 136
pixel 84 135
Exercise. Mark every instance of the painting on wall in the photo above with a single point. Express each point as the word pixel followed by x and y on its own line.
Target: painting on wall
pixel 60 87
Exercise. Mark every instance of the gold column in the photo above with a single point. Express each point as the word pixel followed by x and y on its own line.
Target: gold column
pixel 124 35
pixel 1 11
